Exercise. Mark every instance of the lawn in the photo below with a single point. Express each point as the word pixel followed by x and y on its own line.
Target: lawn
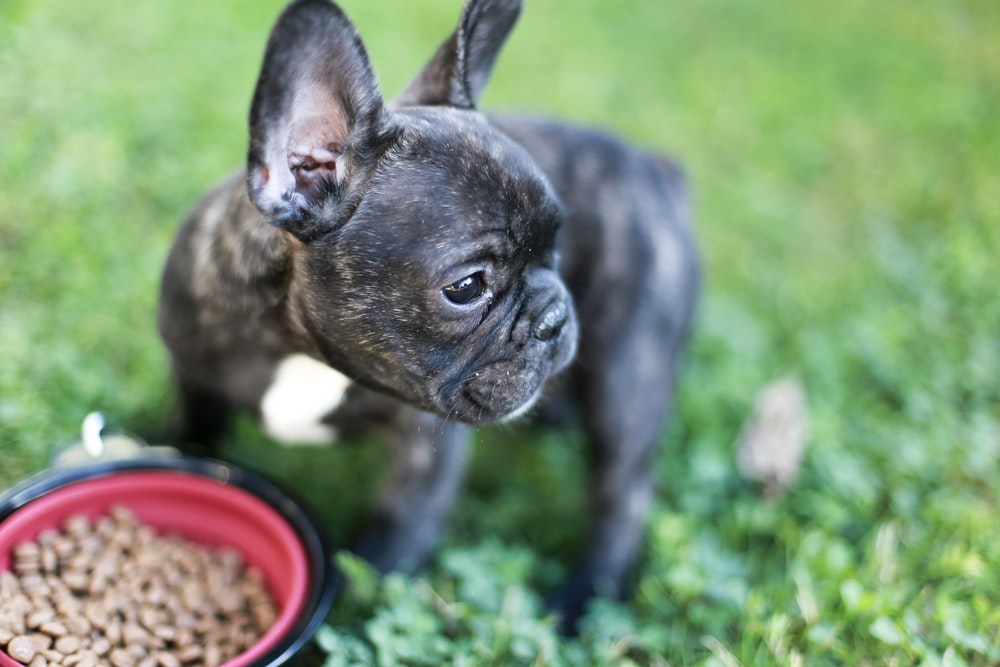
pixel 846 165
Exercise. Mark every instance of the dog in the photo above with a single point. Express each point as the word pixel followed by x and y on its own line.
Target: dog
pixel 420 267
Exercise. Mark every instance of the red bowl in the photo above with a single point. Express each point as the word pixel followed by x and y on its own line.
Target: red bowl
pixel 207 502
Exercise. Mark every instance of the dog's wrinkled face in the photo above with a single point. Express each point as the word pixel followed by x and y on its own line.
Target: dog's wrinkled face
pixel 442 287
pixel 425 265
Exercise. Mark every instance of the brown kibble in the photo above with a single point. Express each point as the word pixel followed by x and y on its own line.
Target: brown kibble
pixel 183 619
pixel 207 625
pixel 19 604
pixel 190 653
pixel 98 586
pixel 119 657
pixel 144 536
pixel 33 583
pixel 264 615
pixel 36 618
pixel 98 615
pixel 76 561
pixel 165 632
pixel 47 536
pixel 151 617
pixel 123 516
pixel 57 588
pixel 113 631
pixel 9 585
pixel 53 628
pixel 104 526
pixel 13 621
pixel 77 525
pixel 8 621
pixel 136 651
pixel 69 607
pixel 113 592
pixel 83 658
pixel 40 641
pixel 39 598
pixel 91 544
pixel 77 580
pixel 230 601
pixel 53 656
pixel 77 625
pixel 193 594
pixel 213 656
pixel 49 560
pixel 26 550
pixel 232 560
pixel 167 659
pixel 185 637
pixel 26 567
pixel 134 634
pixel 100 646
pixel 22 649
pixel 68 644
pixel 156 594
pixel 64 547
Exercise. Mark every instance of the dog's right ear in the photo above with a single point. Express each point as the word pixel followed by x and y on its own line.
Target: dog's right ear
pixel 458 72
pixel 317 117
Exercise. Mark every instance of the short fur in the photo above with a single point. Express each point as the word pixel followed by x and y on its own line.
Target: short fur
pixel 447 264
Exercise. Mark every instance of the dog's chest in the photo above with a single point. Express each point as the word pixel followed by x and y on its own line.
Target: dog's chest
pixel 303 392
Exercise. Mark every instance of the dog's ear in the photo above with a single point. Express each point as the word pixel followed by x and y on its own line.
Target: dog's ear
pixel 458 72
pixel 316 119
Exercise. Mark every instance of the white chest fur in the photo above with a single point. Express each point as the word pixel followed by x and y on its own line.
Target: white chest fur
pixel 303 391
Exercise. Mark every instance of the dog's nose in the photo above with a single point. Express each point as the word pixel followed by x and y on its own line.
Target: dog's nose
pixel 552 320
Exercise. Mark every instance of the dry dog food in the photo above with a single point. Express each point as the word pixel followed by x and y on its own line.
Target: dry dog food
pixel 113 592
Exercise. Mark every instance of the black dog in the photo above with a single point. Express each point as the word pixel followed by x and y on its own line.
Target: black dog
pixel 418 265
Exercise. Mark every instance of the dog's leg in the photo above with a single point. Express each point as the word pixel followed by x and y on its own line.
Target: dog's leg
pixel 621 489
pixel 428 459
pixel 203 416
pixel 625 407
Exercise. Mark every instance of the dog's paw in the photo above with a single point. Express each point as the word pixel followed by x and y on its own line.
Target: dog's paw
pixel 569 604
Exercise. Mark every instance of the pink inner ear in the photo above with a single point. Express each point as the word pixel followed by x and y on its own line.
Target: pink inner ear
pixel 311 169
pixel 315 146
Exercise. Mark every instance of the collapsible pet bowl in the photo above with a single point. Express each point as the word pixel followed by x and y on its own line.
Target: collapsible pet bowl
pixel 207 502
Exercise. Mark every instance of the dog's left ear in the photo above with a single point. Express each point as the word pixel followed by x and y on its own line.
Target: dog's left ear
pixel 317 119
pixel 458 72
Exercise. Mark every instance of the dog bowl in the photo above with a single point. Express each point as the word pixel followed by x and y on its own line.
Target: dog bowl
pixel 207 502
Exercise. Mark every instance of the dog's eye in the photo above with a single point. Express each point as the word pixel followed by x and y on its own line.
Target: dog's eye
pixel 466 290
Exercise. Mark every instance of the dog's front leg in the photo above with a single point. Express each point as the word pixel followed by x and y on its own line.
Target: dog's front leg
pixel 625 410
pixel 428 457
pixel 202 418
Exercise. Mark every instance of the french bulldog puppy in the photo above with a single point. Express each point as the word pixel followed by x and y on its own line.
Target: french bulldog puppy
pixel 417 267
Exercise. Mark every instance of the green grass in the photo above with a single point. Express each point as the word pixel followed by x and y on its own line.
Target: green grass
pixel 845 158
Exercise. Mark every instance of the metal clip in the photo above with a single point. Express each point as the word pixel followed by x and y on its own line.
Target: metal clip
pixel 96 444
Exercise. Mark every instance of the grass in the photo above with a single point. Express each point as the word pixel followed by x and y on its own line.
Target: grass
pixel 844 157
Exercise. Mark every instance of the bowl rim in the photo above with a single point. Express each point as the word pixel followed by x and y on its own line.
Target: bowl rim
pixel 314 538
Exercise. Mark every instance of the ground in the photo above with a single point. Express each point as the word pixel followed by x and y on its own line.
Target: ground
pixel 844 158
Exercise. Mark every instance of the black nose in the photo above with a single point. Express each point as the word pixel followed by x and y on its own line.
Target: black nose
pixel 552 320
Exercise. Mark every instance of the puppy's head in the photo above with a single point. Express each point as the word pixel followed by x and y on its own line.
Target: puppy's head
pixel 423 238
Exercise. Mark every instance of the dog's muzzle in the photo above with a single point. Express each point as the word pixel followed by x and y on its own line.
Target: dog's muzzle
pixel 506 388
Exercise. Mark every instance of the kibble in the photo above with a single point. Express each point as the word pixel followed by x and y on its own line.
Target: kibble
pixel 22 649
pixel 112 591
